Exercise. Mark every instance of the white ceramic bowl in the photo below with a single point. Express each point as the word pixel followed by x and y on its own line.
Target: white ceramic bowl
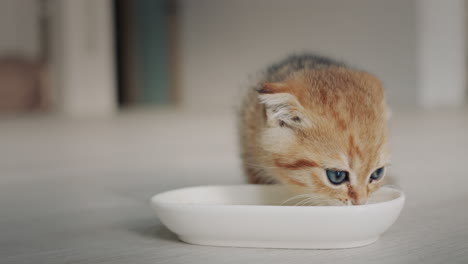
pixel 250 216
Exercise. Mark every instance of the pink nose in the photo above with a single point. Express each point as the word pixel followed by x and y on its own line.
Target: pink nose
pixel 359 201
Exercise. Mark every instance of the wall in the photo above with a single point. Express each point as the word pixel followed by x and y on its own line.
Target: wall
pixel 83 57
pixel 442 52
pixel 19 32
pixel 225 42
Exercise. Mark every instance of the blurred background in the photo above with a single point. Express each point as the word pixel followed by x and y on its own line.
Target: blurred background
pixel 150 88
pixel 95 58
pixel 104 103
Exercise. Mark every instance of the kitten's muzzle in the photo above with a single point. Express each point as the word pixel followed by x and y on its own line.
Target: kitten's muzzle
pixel 359 201
pixel 357 195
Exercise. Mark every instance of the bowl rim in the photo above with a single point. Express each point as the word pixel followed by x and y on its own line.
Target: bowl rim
pixel 156 200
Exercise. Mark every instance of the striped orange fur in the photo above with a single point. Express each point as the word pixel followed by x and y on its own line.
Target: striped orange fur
pixel 309 114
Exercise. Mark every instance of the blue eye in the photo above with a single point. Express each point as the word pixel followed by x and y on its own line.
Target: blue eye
pixel 337 177
pixel 377 174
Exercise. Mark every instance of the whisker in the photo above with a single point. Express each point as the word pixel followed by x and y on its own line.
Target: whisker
pixel 294 197
pixel 300 202
pixel 304 202
pixel 310 199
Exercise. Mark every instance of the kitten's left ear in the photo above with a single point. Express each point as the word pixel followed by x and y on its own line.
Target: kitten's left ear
pixel 282 107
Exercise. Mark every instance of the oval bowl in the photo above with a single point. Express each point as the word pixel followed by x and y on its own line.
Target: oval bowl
pixel 251 216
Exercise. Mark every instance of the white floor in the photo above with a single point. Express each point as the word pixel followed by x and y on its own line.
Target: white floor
pixel 77 191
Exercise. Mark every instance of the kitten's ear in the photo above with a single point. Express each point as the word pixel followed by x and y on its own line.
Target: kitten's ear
pixel 282 107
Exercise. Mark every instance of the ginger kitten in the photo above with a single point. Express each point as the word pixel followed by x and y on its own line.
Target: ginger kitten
pixel 319 127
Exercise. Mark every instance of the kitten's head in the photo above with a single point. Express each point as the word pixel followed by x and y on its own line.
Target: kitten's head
pixel 326 133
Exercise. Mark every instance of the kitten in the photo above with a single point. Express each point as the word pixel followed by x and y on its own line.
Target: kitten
pixel 319 127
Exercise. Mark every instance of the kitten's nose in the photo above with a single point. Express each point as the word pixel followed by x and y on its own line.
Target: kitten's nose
pixel 359 201
pixel 357 195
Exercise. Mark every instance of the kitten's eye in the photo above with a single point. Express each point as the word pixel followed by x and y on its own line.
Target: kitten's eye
pixel 337 177
pixel 377 174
